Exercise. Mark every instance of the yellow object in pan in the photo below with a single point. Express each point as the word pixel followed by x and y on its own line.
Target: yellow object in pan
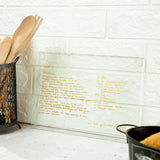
pixel 153 140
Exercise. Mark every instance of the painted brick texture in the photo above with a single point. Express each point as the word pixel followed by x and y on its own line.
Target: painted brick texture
pixel 64 21
pixel 76 2
pixel 134 23
pixel 92 64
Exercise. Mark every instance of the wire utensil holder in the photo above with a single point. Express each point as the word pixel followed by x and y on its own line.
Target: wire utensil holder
pixel 8 95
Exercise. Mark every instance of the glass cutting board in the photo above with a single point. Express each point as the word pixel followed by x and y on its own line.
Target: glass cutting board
pixel 90 94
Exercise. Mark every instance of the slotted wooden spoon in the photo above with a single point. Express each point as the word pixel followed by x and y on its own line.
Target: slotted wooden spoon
pixel 29 38
pixel 20 36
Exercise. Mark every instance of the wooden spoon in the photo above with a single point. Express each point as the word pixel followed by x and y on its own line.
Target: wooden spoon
pixel 5 46
pixel 20 35
pixel 29 38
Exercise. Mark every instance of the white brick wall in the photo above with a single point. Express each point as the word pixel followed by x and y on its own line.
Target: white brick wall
pixel 101 55
pixel 153 62
pixel 62 22
pixel 154 2
pixel 114 47
pixel 76 2
pixel 134 23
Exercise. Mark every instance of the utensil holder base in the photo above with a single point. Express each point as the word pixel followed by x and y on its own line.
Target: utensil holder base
pixel 8 95
pixel 19 126
pixel 3 127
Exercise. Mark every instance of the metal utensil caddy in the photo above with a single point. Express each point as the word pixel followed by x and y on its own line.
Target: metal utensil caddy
pixel 8 95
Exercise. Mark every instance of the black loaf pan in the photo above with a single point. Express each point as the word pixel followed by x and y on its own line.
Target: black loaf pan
pixel 137 150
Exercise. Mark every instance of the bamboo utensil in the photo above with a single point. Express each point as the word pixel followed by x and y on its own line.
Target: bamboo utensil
pixel 25 44
pixel 20 36
pixel 5 46
pixel 12 49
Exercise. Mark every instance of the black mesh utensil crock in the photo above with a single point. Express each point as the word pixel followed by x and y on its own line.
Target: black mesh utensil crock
pixel 8 95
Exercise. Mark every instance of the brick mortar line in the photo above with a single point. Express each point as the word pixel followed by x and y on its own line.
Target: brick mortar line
pixel 106 24
pixel 81 37
pixel 101 37
pixel 150 2
pixel 60 37
pixel 118 38
pixel 52 5
pixel 92 38
pixel 155 4
pixel 147 6
pixel 146 56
